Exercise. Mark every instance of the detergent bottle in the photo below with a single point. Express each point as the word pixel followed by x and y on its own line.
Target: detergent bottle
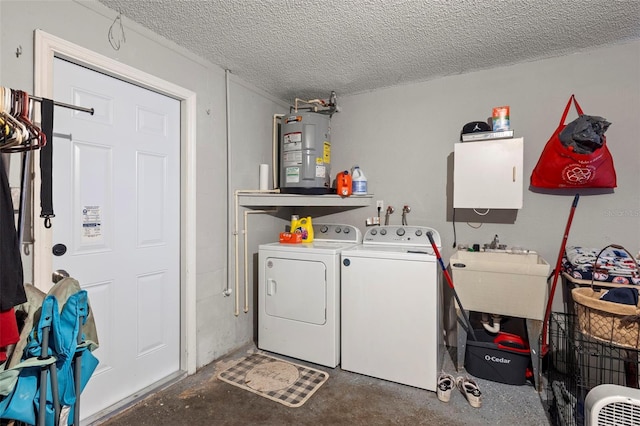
pixel 302 226
pixel 295 219
pixel 359 181
pixel 343 184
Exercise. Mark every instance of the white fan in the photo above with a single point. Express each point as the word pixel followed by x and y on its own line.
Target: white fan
pixel 612 405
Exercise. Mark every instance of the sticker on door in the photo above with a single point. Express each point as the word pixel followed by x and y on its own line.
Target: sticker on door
pixel 91 224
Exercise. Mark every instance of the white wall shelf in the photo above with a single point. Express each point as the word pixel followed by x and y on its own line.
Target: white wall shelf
pixel 295 200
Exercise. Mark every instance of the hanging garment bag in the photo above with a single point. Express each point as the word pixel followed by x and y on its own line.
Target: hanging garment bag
pixel 560 166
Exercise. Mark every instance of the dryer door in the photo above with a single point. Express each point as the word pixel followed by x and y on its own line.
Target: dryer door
pixel 296 290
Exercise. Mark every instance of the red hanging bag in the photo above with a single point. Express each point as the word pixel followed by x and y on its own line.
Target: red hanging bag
pixel 560 167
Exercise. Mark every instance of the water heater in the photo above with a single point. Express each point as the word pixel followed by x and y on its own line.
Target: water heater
pixel 305 153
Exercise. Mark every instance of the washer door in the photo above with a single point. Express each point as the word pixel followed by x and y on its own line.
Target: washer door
pixel 296 290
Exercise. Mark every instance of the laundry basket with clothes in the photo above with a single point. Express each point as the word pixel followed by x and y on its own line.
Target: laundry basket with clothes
pixel 42 381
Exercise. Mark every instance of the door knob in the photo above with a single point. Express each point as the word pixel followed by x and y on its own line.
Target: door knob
pixel 58 275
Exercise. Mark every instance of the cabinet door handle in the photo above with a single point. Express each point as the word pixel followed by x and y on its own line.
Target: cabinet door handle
pixel 514 173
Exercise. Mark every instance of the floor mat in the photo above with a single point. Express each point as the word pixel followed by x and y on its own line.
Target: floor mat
pixel 281 381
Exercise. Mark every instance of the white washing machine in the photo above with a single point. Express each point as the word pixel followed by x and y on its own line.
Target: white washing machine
pixel 391 326
pixel 299 295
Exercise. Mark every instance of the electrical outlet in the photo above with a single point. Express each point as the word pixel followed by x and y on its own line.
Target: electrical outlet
pixel 380 204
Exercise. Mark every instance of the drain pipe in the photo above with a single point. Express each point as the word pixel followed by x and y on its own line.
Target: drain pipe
pixel 496 322
pixel 274 154
pixel 246 253
pixel 235 235
pixel 236 207
pixel 227 291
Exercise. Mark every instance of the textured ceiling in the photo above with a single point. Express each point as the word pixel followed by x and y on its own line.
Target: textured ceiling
pixel 306 48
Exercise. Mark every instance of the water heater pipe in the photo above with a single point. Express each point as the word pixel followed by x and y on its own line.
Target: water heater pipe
pixel 227 290
pixel 246 253
pixel 314 102
pixel 331 104
pixel 274 150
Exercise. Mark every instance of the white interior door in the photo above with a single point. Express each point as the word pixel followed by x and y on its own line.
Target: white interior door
pixel 117 205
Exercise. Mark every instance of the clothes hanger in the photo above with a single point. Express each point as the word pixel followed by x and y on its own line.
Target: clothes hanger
pixel 4 127
pixel 17 129
pixel 29 137
pixel 36 138
pixel 16 106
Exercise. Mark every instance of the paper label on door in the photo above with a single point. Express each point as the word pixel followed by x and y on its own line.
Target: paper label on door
pixel 91 224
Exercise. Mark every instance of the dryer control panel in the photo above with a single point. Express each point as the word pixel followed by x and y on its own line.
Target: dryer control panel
pixel 336 232
pixel 401 235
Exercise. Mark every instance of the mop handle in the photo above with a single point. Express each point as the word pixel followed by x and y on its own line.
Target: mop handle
pixel 556 273
pixel 445 272
pixel 565 237
pixel 450 282
pixel 437 253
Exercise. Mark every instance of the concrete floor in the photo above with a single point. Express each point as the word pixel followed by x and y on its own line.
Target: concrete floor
pixel 345 399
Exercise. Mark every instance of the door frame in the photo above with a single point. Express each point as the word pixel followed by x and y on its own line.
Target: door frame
pixel 48 47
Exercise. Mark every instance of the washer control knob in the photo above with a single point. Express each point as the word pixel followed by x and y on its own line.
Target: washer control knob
pixel 374 232
pixel 383 232
pixel 400 232
pixel 338 230
pixel 324 229
pixel 346 230
pixel 418 233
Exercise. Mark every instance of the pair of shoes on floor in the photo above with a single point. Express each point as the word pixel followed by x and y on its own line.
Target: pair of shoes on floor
pixel 470 390
pixel 446 382
pixel 467 386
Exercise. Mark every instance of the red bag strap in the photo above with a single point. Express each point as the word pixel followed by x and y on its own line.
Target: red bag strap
pixel 566 110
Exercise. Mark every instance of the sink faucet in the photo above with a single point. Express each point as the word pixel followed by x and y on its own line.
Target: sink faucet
pixel 494 243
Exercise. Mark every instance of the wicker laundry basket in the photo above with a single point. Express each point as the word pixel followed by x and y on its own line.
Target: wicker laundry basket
pixel 615 323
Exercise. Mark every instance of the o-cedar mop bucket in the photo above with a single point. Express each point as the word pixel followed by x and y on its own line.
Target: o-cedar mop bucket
pixel 500 358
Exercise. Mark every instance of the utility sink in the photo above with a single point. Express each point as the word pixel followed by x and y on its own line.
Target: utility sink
pixel 504 282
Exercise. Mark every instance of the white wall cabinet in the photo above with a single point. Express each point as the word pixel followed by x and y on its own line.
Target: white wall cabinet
pixel 488 174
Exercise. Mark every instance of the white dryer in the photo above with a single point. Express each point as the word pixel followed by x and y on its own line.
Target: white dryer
pixel 391 326
pixel 299 295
